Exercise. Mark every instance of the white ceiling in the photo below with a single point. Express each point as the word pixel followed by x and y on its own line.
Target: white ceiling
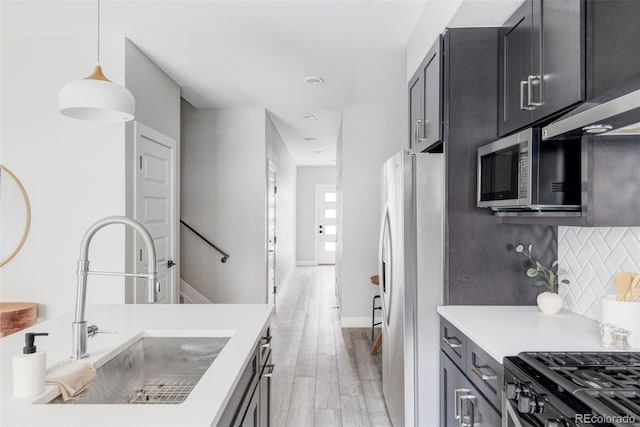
pixel 240 53
pixel 247 53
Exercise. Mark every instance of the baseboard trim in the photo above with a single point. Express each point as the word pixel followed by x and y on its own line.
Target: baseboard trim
pixel 355 322
pixel 305 263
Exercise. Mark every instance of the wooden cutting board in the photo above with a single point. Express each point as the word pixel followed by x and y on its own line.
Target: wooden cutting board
pixel 16 316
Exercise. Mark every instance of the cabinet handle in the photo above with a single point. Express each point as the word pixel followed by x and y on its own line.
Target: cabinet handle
pixel 457 395
pixel 268 371
pixel 484 373
pixel 530 102
pixel 469 419
pixel 450 342
pixel 522 85
pixel 416 133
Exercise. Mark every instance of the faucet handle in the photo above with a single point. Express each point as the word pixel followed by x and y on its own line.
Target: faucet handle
pixel 93 330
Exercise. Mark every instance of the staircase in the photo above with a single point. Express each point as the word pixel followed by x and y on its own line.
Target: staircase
pixel 189 295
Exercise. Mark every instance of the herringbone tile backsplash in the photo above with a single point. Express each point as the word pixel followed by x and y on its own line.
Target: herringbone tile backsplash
pixel 593 256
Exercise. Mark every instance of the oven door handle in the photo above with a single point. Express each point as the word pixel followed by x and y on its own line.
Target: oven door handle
pixel 509 413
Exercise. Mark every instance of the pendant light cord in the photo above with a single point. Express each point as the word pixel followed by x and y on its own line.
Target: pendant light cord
pixel 98 50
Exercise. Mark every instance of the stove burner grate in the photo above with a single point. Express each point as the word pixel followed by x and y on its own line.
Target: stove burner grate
pixel 606 382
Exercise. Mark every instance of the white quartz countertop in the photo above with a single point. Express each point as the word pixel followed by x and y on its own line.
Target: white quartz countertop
pixel 243 323
pixel 508 330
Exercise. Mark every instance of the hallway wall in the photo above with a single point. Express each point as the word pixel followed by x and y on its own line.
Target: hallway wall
pixel 278 153
pixel 308 177
pixel 224 197
pixel 371 133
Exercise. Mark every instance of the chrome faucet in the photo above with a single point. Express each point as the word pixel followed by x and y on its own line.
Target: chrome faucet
pixel 79 325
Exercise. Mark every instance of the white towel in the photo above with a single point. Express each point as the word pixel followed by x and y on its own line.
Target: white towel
pixel 73 377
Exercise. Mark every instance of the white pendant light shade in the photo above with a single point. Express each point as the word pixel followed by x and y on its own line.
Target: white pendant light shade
pixel 96 98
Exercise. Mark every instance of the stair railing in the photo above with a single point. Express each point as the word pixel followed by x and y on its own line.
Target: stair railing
pixel 225 256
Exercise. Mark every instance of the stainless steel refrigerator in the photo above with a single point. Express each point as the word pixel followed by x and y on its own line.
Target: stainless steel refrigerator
pixel 411 269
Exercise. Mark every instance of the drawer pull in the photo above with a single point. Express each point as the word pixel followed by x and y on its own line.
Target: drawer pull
pixel 268 371
pixel 266 342
pixel 484 373
pixel 452 342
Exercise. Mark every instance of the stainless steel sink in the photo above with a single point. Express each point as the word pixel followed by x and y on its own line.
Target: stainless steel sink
pixel 153 370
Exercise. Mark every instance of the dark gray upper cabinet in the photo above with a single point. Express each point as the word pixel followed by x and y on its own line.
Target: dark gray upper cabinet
pixel 541 62
pixel 426 101
pixel 416 115
pixel 554 54
pixel 515 67
pixel 559 57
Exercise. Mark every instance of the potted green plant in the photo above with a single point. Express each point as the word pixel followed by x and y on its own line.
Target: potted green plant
pixel 549 302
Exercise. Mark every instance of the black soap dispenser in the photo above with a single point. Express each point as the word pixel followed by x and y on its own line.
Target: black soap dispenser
pixel 29 368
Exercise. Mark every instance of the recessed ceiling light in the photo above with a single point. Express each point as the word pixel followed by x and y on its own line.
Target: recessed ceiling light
pixel 313 80
pixel 307 116
pixel 309 139
pixel 319 152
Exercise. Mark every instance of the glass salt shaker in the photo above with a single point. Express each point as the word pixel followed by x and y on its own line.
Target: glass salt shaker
pixel 606 334
pixel 621 339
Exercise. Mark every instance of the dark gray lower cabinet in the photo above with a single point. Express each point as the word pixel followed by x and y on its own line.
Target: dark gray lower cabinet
pixel 462 403
pixel 265 393
pixel 250 403
pixel 252 415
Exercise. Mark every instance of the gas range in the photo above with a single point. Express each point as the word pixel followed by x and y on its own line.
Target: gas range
pixel 572 389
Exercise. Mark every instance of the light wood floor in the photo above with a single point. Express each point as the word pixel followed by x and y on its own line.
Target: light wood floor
pixel 323 375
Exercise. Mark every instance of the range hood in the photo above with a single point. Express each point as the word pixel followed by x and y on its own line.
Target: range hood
pixel 615 113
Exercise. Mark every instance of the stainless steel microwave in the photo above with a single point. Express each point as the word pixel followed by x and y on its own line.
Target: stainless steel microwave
pixel 522 173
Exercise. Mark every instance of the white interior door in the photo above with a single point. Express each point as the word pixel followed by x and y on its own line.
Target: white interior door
pixel 271 231
pixel 326 230
pixel 156 209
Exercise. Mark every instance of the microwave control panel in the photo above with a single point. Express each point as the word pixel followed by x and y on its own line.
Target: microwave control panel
pixel 523 176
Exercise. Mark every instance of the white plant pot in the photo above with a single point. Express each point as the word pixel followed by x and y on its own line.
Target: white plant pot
pixel 549 302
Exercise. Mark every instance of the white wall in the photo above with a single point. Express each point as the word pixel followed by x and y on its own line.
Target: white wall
pixel 278 153
pixel 371 133
pixel 224 197
pixel 308 178
pixel 74 171
pixel 438 15
pixel 432 22
pixel 157 106
pixel 338 269
pixel 157 95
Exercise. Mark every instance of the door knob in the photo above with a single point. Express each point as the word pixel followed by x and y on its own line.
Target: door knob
pixel 170 263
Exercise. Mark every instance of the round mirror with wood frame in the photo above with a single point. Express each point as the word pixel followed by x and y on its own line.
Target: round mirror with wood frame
pixel 12 252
